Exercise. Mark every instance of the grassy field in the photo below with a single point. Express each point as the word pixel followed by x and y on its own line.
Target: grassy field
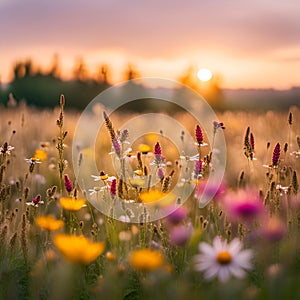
pixel 55 245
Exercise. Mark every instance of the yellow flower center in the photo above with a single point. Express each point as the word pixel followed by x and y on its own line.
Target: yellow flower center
pixel 224 257
pixel 104 177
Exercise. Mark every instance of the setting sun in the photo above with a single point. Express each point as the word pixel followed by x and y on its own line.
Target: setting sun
pixel 204 74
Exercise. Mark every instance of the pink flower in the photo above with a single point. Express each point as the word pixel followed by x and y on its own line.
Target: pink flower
pixel 205 191
pixel 199 135
pixel 36 200
pixel 113 188
pixel 276 155
pixel 68 184
pixel 244 205
pixel 180 235
pixel 274 230
pixel 158 154
pixel 176 216
pixel 160 173
pixel 198 167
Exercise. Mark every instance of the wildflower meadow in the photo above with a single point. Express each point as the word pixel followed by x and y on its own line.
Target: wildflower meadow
pixel 138 229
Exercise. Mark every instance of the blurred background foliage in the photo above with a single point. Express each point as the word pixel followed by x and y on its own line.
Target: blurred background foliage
pixel 42 89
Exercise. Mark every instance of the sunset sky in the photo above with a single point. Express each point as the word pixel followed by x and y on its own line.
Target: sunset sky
pixel 247 44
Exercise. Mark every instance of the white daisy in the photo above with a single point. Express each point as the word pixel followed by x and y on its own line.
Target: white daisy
pixel 103 177
pixel 223 260
pixel 189 158
pixel 33 160
pixel 6 149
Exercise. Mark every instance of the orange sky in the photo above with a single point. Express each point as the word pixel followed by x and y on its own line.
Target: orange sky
pixel 246 44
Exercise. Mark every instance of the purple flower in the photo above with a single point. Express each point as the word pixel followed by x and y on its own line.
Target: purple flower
pixel 199 135
pixel 160 173
pixel 176 216
pixel 244 205
pixel 218 125
pixel 124 135
pixel 157 149
pixel 180 235
pixel 276 155
pixel 198 167
pixel 206 191
pixel 68 184
pixel 117 146
pixel 36 200
pixel 113 188
pixel 157 152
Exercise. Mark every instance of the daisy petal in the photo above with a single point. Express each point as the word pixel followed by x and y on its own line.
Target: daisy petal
pixel 212 272
pixel 223 274
pixel 206 248
pixel 235 246
pixel 236 271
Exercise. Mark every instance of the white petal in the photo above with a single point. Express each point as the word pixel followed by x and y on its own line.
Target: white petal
pixel 206 248
pixel 218 244
pixel 212 272
pixel 96 178
pixel 236 271
pixel 243 259
pixel 235 246
pixel 203 265
pixel 223 274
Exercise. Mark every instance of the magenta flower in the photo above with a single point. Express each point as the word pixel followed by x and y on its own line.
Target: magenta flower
pixel 176 216
pixel 199 135
pixel 36 200
pixel 113 188
pixel 198 167
pixel 276 155
pixel 244 205
pixel 68 184
pixel 157 152
pixel 157 149
pixel 206 191
pixel 160 173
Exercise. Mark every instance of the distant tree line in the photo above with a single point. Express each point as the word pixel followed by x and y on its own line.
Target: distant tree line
pixel 43 88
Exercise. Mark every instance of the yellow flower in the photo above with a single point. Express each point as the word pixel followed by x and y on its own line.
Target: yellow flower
pixel 72 204
pixel 40 154
pixel 146 260
pixel 49 223
pixel 143 148
pixel 158 198
pixel 110 256
pixel 151 196
pixel 138 172
pixel 50 255
pixel 78 249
